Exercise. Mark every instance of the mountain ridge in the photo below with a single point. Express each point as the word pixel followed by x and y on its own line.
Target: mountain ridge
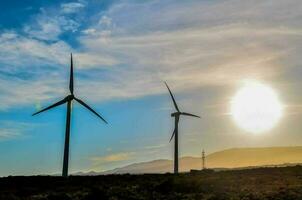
pixel 232 158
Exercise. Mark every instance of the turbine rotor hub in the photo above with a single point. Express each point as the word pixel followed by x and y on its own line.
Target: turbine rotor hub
pixel 70 97
pixel 175 114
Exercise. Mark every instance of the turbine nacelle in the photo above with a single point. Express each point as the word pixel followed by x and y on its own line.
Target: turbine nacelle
pixel 183 113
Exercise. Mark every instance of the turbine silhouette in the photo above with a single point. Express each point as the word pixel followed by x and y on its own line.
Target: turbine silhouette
pixel 176 116
pixel 68 99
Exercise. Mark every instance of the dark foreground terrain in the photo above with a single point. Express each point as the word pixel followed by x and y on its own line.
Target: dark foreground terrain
pixel 262 183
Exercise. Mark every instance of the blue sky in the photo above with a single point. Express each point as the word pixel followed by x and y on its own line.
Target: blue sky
pixel 123 51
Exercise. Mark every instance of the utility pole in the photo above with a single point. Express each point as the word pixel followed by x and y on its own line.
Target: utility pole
pixel 203 160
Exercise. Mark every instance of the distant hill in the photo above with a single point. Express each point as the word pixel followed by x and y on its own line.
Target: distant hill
pixel 245 157
pixel 230 158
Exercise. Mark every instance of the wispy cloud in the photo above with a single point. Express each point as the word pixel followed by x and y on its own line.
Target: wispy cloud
pixel 18 51
pixel 159 146
pixel 215 44
pixel 13 130
pixel 49 24
pixel 8 134
pixel 116 157
pixel 72 7
pixel 105 21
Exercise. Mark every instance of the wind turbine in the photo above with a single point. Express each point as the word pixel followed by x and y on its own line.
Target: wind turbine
pixel 68 99
pixel 176 116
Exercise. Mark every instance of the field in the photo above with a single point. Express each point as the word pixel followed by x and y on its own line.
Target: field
pixel 263 183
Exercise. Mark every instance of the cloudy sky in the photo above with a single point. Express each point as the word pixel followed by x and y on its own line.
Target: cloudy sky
pixel 123 51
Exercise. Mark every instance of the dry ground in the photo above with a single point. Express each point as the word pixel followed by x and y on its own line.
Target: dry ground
pixel 262 183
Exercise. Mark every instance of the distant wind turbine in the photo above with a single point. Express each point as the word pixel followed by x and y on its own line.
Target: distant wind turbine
pixel 176 115
pixel 68 99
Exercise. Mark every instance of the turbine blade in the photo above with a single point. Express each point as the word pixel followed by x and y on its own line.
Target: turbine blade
pixel 176 107
pixel 71 75
pixel 189 114
pixel 172 135
pixel 85 105
pixel 52 106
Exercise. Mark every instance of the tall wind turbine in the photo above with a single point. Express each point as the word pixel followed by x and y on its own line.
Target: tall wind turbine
pixel 176 116
pixel 68 99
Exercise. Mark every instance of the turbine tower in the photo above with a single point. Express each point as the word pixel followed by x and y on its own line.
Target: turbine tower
pixel 68 99
pixel 203 160
pixel 176 116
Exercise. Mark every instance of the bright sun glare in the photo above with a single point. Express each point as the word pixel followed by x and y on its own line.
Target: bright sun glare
pixel 256 107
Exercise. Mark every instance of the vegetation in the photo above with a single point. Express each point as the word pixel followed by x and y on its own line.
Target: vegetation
pixel 263 183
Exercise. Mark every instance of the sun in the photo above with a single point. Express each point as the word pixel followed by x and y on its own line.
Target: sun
pixel 256 107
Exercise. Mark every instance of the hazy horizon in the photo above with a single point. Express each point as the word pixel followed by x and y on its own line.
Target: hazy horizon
pixel 233 158
pixel 207 51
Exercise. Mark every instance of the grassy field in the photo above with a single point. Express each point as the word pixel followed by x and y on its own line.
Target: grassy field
pixel 263 183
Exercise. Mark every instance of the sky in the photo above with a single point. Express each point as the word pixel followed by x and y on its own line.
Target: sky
pixel 123 52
